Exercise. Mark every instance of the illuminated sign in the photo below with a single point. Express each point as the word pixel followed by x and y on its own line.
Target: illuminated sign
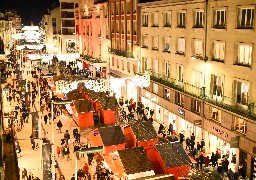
pixel 181 112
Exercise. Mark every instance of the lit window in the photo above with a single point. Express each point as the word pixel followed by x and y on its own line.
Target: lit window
pixel 240 125
pixel 217 86
pixel 220 18
pixel 155 19
pixel 182 19
pixel 179 98
pixel 198 47
pixel 145 41
pixel 155 88
pixel 145 20
pixel 216 114
pixel 167 69
pixel 167 44
pixel 181 46
pixel 242 92
pixel 166 93
pixel 246 18
pixel 244 56
pixel 167 19
pixel 198 18
pixel 196 105
pixel 155 43
pixel 219 50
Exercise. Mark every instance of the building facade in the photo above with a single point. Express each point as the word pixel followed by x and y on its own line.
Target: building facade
pixel 51 24
pixel 200 57
pixel 67 36
pixel 124 31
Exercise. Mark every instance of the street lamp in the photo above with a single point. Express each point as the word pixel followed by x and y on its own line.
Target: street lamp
pixel 55 102
pixel 86 151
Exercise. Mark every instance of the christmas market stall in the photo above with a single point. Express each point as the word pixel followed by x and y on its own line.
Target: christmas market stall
pixel 113 138
pixel 141 132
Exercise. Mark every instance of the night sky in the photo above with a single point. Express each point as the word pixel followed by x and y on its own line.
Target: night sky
pixel 29 10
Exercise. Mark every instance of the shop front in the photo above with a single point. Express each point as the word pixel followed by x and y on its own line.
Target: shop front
pixel 182 120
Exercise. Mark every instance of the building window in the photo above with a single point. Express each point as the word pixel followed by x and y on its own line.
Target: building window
pixel 167 19
pixel 128 27
pixel 180 70
pixel 166 93
pixel 122 64
pixel 128 67
pixel 217 86
pixel 244 54
pixel 117 63
pixel 179 98
pixel 199 19
pixel 122 27
pixel 113 62
pixel 144 64
pixel 181 46
pixel 167 69
pixel 155 43
pixel 134 6
pixel 134 28
pixel 155 66
pixel 112 27
pixel 216 114
pixel 122 7
pixel 240 125
pixel 198 48
pixel 145 20
pixel 155 88
pixel 117 8
pixel 219 19
pixel 112 9
pixel 246 18
pixel 242 92
pixel 218 51
pixel 155 19
pixel 134 67
pixel 167 44
pixel 128 7
pixel 181 19
pixel 196 78
pixel 145 41
pixel 196 105
pixel 117 26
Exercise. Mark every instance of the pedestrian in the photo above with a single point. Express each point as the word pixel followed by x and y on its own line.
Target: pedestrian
pixel 58 151
pixel 201 161
pixel 59 125
pixel 33 143
pixel 24 174
pixel 67 136
pixel 45 119
pixel 187 143
pixel 62 177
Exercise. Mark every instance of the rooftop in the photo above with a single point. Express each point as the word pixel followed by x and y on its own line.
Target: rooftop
pixel 112 135
pixel 173 154
pixel 135 160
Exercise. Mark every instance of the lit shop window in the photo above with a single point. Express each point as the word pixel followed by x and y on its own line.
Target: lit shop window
pixel 179 98
pixel 166 93
pixel 240 125
pixel 196 105
pixel 216 114
pixel 242 91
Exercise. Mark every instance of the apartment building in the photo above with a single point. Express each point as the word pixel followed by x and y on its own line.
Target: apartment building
pixel 10 23
pixel 51 23
pixel 200 57
pixel 67 36
pixel 92 24
pixel 123 25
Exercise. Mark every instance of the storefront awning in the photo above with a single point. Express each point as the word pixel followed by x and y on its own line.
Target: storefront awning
pixel 234 142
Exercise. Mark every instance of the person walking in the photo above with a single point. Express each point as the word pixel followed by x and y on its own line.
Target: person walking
pixel 59 125
pixel 58 151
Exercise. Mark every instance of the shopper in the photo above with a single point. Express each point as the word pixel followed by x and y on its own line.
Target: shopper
pixel 59 125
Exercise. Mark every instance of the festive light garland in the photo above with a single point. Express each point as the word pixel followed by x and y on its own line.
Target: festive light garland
pixel 101 85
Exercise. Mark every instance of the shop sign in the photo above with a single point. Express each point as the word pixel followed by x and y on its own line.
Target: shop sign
pixel 220 132
pixel 181 112
pixel 234 142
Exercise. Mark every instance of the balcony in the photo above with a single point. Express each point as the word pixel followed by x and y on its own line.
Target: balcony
pixel 227 103
pixel 122 53
pixel 99 1
pixel 87 17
